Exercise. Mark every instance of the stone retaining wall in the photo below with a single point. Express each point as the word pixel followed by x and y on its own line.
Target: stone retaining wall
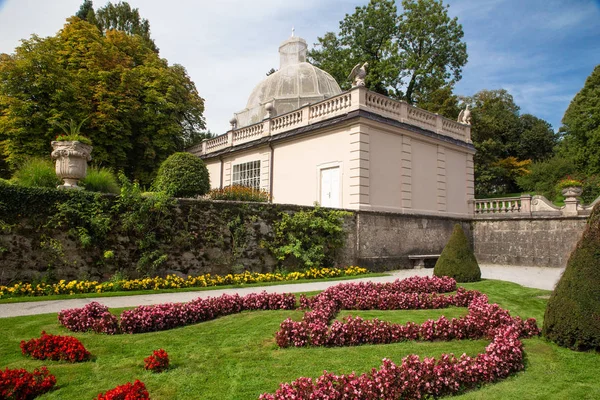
pixel 540 242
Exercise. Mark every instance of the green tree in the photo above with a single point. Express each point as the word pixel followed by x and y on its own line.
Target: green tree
pixel 140 109
pixel 119 17
pixel 432 52
pixel 410 55
pixel 506 142
pixel 581 127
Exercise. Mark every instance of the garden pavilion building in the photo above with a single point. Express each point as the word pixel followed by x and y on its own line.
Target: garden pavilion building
pixel 304 140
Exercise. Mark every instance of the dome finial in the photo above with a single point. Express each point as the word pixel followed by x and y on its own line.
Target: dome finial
pixel 293 30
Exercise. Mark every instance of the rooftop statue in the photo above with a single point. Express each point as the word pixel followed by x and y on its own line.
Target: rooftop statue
pixel 358 74
pixel 465 116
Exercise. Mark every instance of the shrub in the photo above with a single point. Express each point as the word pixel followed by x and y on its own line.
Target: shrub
pixel 309 238
pixel 240 193
pixel 182 175
pixel 157 362
pixel 37 172
pixel 457 259
pixel 56 348
pixel 93 317
pixel 19 384
pixel 129 391
pixel 101 180
pixel 572 317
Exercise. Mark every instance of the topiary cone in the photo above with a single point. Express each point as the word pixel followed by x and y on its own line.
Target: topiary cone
pixel 457 260
pixel 572 317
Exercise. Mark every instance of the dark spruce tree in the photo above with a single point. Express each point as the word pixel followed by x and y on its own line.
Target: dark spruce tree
pixel 457 259
pixel 572 317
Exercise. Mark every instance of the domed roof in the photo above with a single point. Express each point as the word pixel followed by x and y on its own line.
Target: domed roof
pixel 294 85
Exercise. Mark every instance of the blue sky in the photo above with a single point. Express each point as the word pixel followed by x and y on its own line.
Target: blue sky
pixel 541 51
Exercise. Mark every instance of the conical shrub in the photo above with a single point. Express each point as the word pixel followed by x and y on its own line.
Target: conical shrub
pixel 572 317
pixel 457 259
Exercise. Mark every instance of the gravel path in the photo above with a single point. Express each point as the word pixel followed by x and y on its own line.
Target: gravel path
pixel 535 277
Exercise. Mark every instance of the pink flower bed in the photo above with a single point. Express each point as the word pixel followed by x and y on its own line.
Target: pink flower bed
pixel 413 378
pixel 97 318
pixel 93 317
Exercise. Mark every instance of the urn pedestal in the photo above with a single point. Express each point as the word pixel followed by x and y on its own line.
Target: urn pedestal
pixel 571 193
pixel 71 158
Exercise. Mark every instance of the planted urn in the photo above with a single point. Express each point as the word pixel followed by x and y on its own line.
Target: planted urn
pixel 71 158
pixel 71 152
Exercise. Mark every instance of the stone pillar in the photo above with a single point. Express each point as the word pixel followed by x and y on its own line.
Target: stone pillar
pixel 204 146
pixel 570 208
pixel 230 138
pixel 526 204
pixel 359 165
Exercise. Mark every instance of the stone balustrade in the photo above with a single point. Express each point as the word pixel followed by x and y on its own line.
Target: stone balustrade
pixel 358 98
pixel 529 206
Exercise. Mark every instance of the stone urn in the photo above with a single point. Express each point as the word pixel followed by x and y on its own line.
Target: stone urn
pixel 71 161
pixel 572 191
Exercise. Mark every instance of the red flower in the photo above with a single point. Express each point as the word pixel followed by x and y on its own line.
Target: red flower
pixel 19 384
pixel 157 362
pixel 129 391
pixel 56 348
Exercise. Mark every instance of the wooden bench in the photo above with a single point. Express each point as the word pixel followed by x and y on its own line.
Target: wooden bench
pixel 418 260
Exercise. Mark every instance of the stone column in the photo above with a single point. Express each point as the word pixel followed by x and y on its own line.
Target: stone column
pixel 526 204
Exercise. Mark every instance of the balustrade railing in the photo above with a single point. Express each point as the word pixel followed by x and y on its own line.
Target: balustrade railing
pixel 248 133
pixel 355 99
pixel 504 205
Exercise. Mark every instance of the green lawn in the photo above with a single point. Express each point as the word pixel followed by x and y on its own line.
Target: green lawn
pixel 235 357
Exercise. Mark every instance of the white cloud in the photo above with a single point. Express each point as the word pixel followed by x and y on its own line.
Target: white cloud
pixel 540 50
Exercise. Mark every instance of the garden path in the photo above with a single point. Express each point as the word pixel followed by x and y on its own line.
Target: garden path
pixel 535 277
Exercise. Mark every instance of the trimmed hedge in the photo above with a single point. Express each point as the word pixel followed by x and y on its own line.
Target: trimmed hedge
pixel 457 259
pixel 182 175
pixel 572 317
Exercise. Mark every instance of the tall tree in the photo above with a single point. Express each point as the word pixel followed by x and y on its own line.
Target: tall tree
pixel 506 142
pixel 119 17
pixel 581 126
pixel 140 109
pixel 432 52
pixel 410 55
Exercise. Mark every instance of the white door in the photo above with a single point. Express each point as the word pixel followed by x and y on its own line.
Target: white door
pixel 330 187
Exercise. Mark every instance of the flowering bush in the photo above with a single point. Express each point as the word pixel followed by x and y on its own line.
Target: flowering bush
pixel 19 384
pixel 97 318
pixel 56 348
pixel 171 282
pixel 171 315
pixel 568 182
pixel 413 378
pixel 240 193
pixel 157 362
pixel 129 391
pixel 93 317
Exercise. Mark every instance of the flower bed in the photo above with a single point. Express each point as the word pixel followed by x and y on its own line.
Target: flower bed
pixel 56 348
pixel 97 318
pixel 157 362
pixel 413 378
pixel 93 317
pixel 19 384
pixel 172 282
pixel 129 391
